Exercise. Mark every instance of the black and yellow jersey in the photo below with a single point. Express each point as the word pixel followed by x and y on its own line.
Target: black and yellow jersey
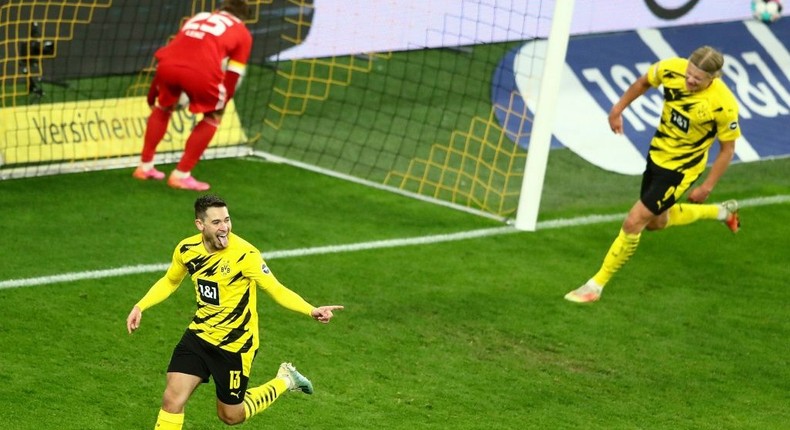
pixel 225 292
pixel 690 121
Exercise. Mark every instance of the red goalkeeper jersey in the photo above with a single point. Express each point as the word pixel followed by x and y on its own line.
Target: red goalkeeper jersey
pixel 204 42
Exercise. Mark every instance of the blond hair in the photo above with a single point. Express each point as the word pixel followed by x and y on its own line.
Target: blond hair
pixel 708 59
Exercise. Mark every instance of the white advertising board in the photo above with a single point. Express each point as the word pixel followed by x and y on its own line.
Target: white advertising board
pixel 349 27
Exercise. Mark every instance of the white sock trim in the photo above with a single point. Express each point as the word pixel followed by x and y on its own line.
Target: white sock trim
pixel 180 175
pixel 723 213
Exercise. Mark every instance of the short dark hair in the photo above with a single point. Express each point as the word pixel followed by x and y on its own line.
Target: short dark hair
pixel 239 8
pixel 208 201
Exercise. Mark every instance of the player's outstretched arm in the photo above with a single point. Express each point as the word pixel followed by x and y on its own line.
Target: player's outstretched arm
pixel 639 87
pixel 133 320
pixel 323 314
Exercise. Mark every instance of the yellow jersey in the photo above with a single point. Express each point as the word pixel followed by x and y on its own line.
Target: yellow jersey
pixel 690 121
pixel 225 292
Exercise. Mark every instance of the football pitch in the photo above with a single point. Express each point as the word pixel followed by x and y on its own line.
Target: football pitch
pixel 452 321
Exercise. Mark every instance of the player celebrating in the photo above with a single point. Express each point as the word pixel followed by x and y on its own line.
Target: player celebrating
pixel 222 339
pixel 698 108
pixel 193 64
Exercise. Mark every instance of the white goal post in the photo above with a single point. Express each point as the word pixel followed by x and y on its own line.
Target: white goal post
pixel 540 140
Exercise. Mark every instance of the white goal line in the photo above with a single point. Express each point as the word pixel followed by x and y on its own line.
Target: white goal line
pixel 362 246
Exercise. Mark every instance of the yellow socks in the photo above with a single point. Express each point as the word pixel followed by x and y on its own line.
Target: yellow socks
pixel 625 244
pixel 682 213
pixel 621 250
pixel 168 421
pixel 260 398
pixel 255 400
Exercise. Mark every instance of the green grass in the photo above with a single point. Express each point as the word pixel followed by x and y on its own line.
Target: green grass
pixel 471 334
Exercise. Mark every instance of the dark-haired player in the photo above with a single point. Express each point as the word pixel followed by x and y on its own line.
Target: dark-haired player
pixel 222 339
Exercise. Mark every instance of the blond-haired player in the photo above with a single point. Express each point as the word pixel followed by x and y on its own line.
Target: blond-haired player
pixel 698 109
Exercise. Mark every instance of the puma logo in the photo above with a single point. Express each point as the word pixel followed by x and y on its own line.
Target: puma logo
pixel 235 394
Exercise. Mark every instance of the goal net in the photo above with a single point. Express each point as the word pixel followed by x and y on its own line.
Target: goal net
pixel 399 94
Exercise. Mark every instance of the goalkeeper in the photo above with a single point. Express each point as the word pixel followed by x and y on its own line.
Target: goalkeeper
pixel 222 339
pixel 698 108
pixel 192 64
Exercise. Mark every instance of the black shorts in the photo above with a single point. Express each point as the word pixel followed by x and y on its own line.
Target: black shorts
pixel 661 188
pixel 195 356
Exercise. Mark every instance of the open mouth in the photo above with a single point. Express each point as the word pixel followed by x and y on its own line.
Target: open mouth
pixel 223 240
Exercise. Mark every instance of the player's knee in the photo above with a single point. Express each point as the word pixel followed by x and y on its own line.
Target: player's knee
pixel 172 402
pixel 171 406
pixel 639 219
pixel 230 420
pixel 213 118
pixel 169 109
pixel 231 416
pixel 658 223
